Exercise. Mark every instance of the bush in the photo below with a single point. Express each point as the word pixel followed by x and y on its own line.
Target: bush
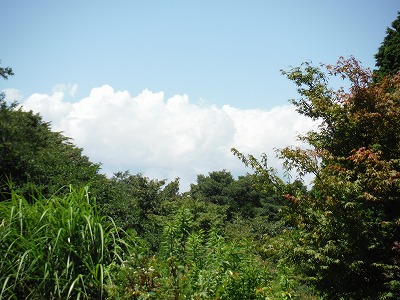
pixel 192 265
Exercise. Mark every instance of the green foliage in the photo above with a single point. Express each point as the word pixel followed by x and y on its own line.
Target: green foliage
pixel 349 224
pixel 31 154
pixel 206 216
pixel 241 196
pixel 194 265
pixel 5 72
pixel 388 55
pixel 215 187
pixel 56 248
pixel 135 203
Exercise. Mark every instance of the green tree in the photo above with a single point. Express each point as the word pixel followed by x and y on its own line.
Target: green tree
pixel 388 55
pixel 240 196
pixel 136 202
pixel 347 230
pixel 215 187
pixel 31 154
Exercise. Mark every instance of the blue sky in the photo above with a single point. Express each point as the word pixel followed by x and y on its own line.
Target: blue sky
pixel 166 88
pixel 223 52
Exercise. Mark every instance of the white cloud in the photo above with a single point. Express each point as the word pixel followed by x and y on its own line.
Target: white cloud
pixel 166 138
pixel 73 89
pixel 70 89
pixel 52 107
pixel 12 95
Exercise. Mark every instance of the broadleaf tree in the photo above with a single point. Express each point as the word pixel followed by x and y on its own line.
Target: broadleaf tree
pixel 348 228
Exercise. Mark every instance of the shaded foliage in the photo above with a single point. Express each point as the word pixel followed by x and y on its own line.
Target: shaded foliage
pixel 242 197
pixel 388 55
pixel 134 201
pixel 31 154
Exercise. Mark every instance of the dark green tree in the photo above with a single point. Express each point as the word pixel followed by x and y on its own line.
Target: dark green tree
pixel 137 203
pixel 239 196
pixel 251 207
pixel 33 156
pixel 388 55
pixel 214 187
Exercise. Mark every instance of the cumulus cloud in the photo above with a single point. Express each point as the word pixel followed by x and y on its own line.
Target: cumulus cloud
pixel 70 89
pixel 12 95
pixel 166 138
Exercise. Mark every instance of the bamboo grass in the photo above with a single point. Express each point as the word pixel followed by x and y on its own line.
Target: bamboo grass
pixel 56 248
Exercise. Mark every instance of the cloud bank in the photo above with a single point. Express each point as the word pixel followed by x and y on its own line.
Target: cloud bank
pixel 165 138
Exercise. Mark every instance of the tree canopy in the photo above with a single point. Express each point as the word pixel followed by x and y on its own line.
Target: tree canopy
pixel 388 55
pixel 32 154
pixel 349 226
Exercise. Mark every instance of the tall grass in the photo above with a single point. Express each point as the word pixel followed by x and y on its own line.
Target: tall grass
pixel 56 248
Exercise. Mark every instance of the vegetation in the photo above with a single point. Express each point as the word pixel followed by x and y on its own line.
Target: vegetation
pixel 349 225
pixel 388 55
pixel 69 232
pixel 34 156
pixel 57 248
